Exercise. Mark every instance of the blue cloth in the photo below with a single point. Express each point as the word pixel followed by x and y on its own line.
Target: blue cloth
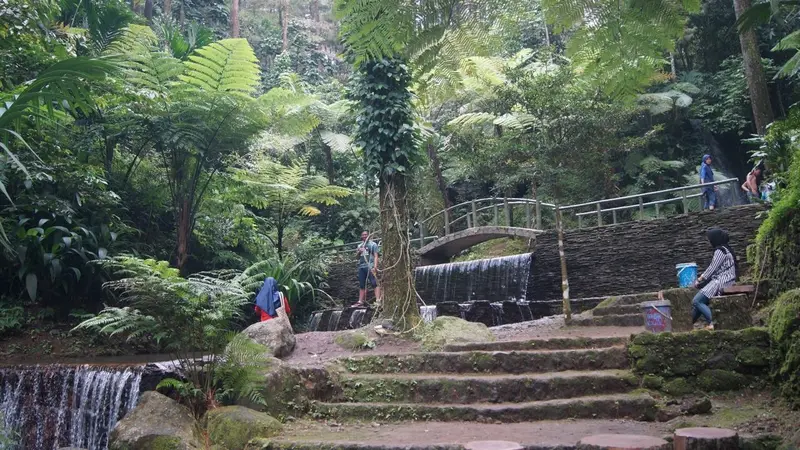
pixel 700 308
pixel 269 291
pixel 709 199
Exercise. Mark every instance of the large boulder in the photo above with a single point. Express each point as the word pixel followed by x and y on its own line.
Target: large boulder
pixel 233 426
pixel 275 334
pixel 157 422
pixel 452 330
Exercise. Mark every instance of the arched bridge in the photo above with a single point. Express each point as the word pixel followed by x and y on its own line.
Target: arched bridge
pixel 459 227
pixel 442 249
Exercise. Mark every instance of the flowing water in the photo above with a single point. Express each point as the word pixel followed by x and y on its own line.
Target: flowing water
pixel 495 280
pixel 428 313
pixel 48 407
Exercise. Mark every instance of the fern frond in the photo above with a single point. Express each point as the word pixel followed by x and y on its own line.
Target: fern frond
pixel 229 65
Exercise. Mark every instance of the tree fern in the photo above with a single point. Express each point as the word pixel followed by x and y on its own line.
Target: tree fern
pixel 229 65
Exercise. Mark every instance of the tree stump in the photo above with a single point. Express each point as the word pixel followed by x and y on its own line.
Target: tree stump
pixel 492 445
pixel 706 439
pixel 622 442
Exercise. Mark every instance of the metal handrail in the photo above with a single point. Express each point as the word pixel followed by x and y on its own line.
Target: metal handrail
pixel 647 194
pixel 492 199
pixel 636 206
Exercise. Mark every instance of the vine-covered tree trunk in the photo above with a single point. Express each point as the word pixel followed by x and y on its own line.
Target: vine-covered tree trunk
pixel 167 9
pixel 754 72
pixel 235 19
pixel 399 298
pixel 315 10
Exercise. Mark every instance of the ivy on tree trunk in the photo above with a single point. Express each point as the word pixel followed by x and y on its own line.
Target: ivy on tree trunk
pixel 754 72
pixel 386 133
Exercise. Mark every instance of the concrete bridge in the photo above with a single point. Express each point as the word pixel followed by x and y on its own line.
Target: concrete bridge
pixel 442 249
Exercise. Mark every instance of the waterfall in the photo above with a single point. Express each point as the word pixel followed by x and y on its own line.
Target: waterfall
pixel 49 407
pixel 496 279
pixel 315 321
pixel 334 321
pixel 428 313
pixel 357 318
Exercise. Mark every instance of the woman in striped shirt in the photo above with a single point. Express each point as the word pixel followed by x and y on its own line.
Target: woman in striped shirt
pixel 721 273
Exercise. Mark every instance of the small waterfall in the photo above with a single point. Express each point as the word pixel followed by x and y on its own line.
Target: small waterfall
pixel 464 309
pixel 315 321
pixel 428 313
pixel 497 313
pixel 49 407
pixel 334 320
pixel 494 280
pixel 357 318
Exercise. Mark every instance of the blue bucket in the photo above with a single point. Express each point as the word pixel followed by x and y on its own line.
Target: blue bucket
pixel 687 274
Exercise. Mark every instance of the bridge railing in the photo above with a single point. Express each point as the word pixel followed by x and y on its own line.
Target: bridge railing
pixel 537 215
pixel 648 205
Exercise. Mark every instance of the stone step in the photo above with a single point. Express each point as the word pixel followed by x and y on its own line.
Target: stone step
pixel 618 406
pixel 615 320
pixel 616 310
pixel 490 362
pixel 465 389
pixel 540 344
pixel 632 299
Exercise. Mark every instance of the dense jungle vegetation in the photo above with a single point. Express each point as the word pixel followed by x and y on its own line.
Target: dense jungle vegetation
pixel 188 148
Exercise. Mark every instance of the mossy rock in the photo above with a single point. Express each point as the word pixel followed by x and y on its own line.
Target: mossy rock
pixel 354 340
pixel 234 426
pixel 785 318
pixel 753 357
pixel 678 387
pixel 452 330
pixel 721 380
pixel 653 382
pixel 784 328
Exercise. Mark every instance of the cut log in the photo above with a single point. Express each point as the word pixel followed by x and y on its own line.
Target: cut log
pixel 622 442
pixel 706 439
pixel 492 445
pixel 739 289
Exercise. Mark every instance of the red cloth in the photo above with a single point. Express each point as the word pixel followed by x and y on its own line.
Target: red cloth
pixel 266 316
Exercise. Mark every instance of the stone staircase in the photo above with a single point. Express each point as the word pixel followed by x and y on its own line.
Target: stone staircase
pixel 616 311
pixel 501 382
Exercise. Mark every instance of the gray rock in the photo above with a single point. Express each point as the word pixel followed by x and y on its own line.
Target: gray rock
pixel 275 334
pixel 233 426
pixel 156 422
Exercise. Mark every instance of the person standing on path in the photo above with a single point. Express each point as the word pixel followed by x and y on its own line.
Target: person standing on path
pixel 707 176
pixel 367 253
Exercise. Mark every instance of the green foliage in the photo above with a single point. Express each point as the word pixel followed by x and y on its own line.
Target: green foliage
pixel 385 117
pixel 11 320
pixel 619 47
pixel 784 329
pixel 8 438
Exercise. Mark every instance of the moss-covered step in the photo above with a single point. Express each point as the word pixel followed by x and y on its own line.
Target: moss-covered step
pixel 618 406
pixel 616 320
pixel 540 344
pixel 464 389
pixel 616 310
pixel 490 362
pixel 268 444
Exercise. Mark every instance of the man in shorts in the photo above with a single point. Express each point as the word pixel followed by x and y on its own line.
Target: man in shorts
pixel 367 252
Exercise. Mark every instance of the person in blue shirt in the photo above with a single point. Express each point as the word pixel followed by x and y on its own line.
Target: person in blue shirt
pixel 707 176
pixel 367 253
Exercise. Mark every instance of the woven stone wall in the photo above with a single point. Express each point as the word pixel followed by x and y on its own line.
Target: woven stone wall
pixel 638 256
pixel 612 260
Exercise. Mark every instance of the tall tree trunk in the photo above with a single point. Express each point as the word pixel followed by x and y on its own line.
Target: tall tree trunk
pixel 285 24
pixel 235 19
pixel 754 71
pixel 168 9
pixel 182 14
pixel 397 281
pixel 148 10
pixel 184 234
pixel 109 158
pixel 436 165
pixel 329 163
pixel 315 10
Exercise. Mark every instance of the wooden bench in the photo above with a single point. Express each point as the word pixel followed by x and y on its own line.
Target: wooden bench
pixel 739 289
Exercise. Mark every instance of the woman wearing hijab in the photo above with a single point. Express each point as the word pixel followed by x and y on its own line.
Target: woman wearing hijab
pixel 721 273
pixel 269 299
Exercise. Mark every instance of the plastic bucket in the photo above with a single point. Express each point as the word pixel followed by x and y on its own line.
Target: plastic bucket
pixel 657 316
pixel 687 274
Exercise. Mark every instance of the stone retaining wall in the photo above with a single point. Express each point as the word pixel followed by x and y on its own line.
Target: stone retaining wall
pixel 612 260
